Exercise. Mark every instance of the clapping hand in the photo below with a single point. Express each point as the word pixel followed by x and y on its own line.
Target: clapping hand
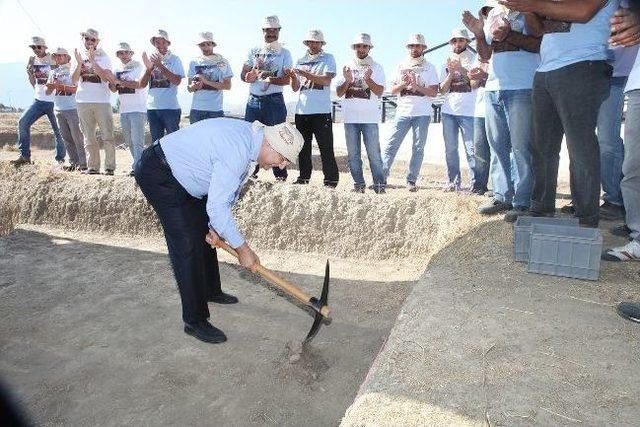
pixel 347 74
pixel 251 76
pixel 147 62
pixel 473 24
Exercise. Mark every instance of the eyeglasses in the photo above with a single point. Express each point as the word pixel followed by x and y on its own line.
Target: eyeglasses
pixel 360 46
pixel 205 44
pixel 90 39
pixel 37 47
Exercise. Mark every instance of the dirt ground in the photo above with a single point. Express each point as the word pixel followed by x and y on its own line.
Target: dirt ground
pixel 100 340
pixel 481 342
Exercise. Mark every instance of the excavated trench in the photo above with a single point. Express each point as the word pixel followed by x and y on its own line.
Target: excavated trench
pixel 109 341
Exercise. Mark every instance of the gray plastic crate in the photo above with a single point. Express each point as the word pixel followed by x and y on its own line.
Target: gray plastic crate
pixel 522 232
pixel 565 251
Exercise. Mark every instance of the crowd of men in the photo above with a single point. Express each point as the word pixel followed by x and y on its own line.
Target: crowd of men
pixel 542 71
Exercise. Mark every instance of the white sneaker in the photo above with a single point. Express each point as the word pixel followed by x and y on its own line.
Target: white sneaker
pixel 628 252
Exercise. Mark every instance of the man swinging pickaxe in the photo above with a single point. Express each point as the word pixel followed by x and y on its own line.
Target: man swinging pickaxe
pixel 192 178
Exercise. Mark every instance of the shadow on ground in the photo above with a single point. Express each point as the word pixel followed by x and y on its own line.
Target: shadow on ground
pixel 91 335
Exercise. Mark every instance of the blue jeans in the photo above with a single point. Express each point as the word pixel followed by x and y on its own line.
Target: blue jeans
pixel 611 145
pixel 371 139
pixel 197 115
pixel 163 122
pixel 133 134
pixel 510 132
pixel 420 127
pixel 451 126
pixel 28 118
pixel 482 154
pixel 269 110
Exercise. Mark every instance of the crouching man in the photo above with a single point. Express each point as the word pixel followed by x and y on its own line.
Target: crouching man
pixel 191 178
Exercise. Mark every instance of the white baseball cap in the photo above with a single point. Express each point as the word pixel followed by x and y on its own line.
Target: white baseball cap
pixel 124 47
pixel 460 33
pixel 314 36
pixel 160 34
pixel 38 41
pixel 271 22
pixel 284 138
pixel 362 38
pixel 90 33
pixel 204 37
pixel 416 39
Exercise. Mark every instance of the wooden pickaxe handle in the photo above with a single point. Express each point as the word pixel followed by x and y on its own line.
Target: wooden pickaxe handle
pixel 289 288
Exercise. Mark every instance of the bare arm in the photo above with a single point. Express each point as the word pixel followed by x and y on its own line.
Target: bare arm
pixel 32 78
pixel 580 11
pixel 105 75
pixel 342 89
pixel 223 85
pixel 445 85
pixel 528 43
pixel 174 79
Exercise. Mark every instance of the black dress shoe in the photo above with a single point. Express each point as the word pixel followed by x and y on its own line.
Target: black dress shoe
pixel 205 331
pixel 223 299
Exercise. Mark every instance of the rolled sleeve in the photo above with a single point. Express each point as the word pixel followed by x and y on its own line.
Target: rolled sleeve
pixel 222 189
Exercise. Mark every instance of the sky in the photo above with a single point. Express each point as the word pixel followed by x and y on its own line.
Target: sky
pixel 236 26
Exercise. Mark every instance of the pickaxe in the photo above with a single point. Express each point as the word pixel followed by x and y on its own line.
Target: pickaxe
pixel 318 305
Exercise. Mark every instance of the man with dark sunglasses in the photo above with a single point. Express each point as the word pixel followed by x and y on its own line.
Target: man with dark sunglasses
pixel 38 69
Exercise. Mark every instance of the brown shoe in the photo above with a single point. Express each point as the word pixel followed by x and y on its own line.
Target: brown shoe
pixel 22 160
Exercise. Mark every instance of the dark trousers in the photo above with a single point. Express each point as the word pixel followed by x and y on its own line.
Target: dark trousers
pixel 185 223
pixel 163 122
pixel 567 101
pixel 269 110
pixel 482 154
pixel 321 126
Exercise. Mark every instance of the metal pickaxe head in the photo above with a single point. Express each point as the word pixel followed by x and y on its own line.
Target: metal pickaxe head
pixel 320 307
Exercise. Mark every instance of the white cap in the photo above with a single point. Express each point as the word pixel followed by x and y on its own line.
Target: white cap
pixel 284 138
pixel 314 36
pixel 90 33
pixel 490 3
pixel 416 39
pixel 61 51
pixel 160 34
pixel 362 38
pixel 271 22
pixel 38 41
pixel 460 33
pixel 124 47
pixel 204 37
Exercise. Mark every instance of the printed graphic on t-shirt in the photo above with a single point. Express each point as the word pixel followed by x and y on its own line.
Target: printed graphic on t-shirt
pixel 41 73
pixel 552 26
pixel 158 80
pixel 211 72
pixel 125 76
pixel 460 82
pixel 358 88
pixel 266 65
pixel 310 67
pixel 63 78
pixel 88 74
pixel 411 75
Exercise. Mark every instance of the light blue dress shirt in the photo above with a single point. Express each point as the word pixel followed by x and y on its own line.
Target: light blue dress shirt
pixel 163 95
pixel 214 158
pixel 209 99
pixel 315 99
pixel 583 42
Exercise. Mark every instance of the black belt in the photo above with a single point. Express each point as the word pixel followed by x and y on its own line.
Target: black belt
pixel 271 95
pixel 157 150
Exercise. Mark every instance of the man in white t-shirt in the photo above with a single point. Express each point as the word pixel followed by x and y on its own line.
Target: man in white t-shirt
pixel 312 76
pixel 164 74
pixel 38 69
pixel 64 100
pixel 416 83
pixel 209 74
pixel 132 99
pixel 458 108
pixel 361 85
pixel 93 98
pixel 264 70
